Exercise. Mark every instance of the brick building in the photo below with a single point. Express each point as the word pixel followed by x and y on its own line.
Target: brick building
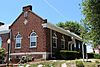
pixel 32 35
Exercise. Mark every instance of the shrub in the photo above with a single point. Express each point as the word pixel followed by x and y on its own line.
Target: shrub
pixel 90 55
pixel 57 54
pixel 2 55
pixel 79 64
pixel 97 56
pixel 69 55
pixel 97 62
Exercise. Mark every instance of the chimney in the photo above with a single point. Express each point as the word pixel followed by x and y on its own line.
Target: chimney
pixel 45 20
pixel 27 8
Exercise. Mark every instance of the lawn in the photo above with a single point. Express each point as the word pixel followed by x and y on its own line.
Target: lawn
pixel 58 63
pixel 90 64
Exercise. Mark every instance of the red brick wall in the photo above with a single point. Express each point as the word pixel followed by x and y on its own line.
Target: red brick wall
pixel 34 23
pixel 4 37
pixel 48 45
pixel 59 37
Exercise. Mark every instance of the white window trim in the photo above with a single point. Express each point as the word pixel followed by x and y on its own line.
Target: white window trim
pixel 70 44
pixel 79 46
pixel 16 43
pixel 63 40
pixel 74 42
pixel 30 40
pixel 55 37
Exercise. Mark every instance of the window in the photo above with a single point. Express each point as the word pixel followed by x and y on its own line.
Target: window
pixel 0 42
pixel 79 46
pixel 33 40
pixel 70 43
pixel 18 41
pixel 54 42
pixel 63 42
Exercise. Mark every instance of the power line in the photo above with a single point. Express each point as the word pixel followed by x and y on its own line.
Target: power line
pixel 54 8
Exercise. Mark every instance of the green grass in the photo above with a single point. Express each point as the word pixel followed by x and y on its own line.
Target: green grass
pixel 68 63
pixel 90 64
pixel 54 64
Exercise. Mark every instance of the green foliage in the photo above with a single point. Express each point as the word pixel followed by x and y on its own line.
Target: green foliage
pixel 97 62
pixel 79 64
pixel 72 26
pixel 90 55
pixel 2 52
pixel 61 24
pixel 70 55
pixel 97 56
pixel 91 11
pixel 2 55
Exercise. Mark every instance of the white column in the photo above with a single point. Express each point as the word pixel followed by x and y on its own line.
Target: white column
pixel 83 50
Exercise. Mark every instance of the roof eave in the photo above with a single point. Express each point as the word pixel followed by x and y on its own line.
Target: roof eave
pixel 4 31
pixel 61 30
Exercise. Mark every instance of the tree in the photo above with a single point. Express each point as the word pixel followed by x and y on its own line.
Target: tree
pixel 91 11
pixel 61 24
pixel 74 27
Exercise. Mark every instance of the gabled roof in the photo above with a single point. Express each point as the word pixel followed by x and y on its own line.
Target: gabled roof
pixel 15 20
pixel 21 14
pixel 61 30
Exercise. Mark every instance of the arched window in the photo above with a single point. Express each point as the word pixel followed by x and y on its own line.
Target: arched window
pixel 79 46
pixel 63 43
pixel 70 43
pixel 0 42
pixel 33 40
pixel 18 41
pixel 54 41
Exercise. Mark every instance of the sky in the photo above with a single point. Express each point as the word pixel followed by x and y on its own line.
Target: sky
pixel 53 10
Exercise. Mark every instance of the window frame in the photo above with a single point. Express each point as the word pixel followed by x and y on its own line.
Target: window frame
pixel 34 41
pixel 79 45
pixel 63 40
pixel 54 37
pixel 20 39
pixel 1 41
